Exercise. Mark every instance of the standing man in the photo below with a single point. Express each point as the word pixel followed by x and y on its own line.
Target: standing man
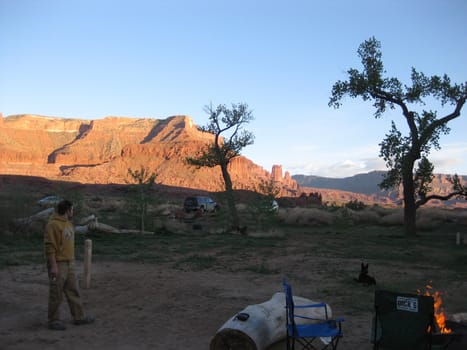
pixel 59 244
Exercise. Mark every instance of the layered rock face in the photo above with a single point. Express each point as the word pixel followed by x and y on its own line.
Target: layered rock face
pixel 102 151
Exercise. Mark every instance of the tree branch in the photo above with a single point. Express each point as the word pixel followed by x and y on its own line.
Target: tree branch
pixel 409 116
pixel 443 121
pixel 426 199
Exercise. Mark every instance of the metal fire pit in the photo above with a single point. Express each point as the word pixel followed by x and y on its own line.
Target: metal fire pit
pixel 457 340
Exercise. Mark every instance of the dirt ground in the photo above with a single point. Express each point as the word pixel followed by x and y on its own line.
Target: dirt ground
pixel 141 306
pixel 157 306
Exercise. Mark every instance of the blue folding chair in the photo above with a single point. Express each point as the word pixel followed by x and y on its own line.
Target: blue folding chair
pixel 305 334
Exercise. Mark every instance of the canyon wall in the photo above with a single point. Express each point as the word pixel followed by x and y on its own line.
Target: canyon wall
pixel 102 151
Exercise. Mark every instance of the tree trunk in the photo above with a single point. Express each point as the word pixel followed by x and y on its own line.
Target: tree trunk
pixel 142 208
pixel 264 326
pixel 410 209
pixel 32 223
pixel 230 196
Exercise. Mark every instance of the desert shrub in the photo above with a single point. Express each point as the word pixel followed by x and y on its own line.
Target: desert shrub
pixel 459 216
pixel 381 211
pixel 443 214
pixel 395 217
pixel 431 217
pixel 428 218
pixel 366 216
pixel 332 207
pixel 355 205
pixel 431 213
pixel 306 216
pixel 257 213
pixel 427 223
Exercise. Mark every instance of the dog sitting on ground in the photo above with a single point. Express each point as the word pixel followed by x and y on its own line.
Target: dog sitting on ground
pixel 364 277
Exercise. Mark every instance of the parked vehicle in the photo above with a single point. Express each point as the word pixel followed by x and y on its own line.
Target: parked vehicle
pixel 200 203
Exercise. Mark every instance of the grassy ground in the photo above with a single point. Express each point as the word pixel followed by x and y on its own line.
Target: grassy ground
pixel 434 256
pixel 220 274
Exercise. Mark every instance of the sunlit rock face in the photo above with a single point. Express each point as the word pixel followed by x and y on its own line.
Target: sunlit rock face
pixel 102 151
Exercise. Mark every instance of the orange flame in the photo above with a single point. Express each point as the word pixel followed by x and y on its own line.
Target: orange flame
pixel 440 317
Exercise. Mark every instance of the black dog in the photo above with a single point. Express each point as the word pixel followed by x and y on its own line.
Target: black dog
pixel 364 277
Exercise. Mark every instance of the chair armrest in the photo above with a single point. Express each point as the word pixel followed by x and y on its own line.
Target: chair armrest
pixel 310 305
pixel 337 320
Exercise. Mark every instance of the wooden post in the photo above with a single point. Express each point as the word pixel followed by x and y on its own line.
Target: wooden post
pixel 87 262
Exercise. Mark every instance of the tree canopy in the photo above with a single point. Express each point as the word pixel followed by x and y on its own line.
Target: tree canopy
pixel 229 136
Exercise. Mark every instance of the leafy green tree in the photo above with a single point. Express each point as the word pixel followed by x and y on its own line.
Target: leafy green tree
pixel 144 181
pixel 229 139
pixel 262 209
pixel 270 188
pixel 406 156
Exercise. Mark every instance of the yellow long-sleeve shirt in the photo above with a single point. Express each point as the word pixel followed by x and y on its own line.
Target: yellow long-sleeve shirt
pixel 59 239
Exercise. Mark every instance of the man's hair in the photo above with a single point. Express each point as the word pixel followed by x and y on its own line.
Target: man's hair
pixel 63 207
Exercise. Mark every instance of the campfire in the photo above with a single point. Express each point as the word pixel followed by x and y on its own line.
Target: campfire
pixel 440 316
pixel 449 334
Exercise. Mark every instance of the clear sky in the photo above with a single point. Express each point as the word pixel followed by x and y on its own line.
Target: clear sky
pixel 89 59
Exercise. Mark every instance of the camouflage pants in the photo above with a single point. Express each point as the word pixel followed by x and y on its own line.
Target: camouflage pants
pixel 65 285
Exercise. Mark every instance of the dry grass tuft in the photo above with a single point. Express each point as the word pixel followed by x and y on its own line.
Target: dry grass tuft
pixel 442 214
pixel 431 217
pixel 306 216
pixel 366 216
pixel 396 217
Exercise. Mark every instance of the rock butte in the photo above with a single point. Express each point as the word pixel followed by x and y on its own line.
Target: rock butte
pixel 101 152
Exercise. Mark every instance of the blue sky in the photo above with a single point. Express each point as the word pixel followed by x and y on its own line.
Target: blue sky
pixel 90 59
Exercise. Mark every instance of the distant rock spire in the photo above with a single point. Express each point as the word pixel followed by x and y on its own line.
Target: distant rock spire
pixel 276 173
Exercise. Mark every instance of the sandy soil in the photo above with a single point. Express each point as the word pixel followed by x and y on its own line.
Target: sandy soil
pixel 141 306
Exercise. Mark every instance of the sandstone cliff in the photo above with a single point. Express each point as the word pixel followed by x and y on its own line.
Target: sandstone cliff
pixel 102 151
